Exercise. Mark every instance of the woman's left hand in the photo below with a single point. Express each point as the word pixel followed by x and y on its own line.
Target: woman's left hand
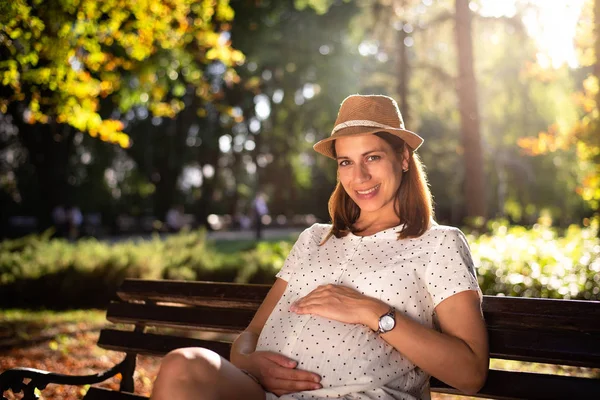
pixel 342 304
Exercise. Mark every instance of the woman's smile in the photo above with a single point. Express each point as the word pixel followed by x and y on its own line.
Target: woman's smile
pixel 368 193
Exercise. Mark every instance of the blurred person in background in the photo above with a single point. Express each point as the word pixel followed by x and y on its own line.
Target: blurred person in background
pixel 59 219
pixel 175 218
pixel 259 210
pixel 74 221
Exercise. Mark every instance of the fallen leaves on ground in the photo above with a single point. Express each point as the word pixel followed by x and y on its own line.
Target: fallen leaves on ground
pixel 66 348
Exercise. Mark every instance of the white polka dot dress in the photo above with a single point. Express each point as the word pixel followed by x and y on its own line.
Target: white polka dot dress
pixel 412 275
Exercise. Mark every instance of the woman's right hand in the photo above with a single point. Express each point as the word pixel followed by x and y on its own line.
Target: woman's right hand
pixel 278 374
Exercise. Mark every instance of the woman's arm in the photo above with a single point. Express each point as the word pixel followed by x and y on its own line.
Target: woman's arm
pixel 457 356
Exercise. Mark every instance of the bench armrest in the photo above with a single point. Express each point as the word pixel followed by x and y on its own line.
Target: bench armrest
pixel 12 379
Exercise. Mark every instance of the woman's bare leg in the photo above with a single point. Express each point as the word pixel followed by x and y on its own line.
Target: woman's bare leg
pixel 201 374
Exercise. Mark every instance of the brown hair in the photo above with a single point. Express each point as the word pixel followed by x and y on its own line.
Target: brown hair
pixel 412 201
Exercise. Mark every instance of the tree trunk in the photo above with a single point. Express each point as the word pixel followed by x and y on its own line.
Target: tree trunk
pixel 474 190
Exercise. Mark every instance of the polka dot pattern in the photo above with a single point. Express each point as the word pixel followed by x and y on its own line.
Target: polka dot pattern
pixel 413 275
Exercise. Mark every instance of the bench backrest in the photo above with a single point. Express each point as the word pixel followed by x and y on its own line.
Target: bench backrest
pixel 564 332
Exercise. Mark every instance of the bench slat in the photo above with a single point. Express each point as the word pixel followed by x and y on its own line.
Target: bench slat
pixel 545 347
pixel 217 294
pixel 153 344
pixel 221 320
pixel 528 305
pixel 558 322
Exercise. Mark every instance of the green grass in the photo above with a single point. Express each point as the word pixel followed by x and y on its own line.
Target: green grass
pixel 52 317
pixel 22 328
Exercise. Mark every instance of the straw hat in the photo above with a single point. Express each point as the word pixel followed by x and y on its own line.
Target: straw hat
pixel 362 115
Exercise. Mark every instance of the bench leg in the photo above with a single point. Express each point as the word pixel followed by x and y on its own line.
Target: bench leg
pixel 128 371
pixel 29 393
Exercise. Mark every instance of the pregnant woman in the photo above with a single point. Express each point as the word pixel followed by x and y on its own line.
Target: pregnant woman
pixel 367 307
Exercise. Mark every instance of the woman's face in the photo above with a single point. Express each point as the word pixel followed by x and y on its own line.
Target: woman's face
pixel 370 171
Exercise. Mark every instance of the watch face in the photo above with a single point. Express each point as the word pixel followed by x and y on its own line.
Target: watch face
pixel 387 323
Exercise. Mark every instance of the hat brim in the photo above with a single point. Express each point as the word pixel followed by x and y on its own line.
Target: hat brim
pixel 326 148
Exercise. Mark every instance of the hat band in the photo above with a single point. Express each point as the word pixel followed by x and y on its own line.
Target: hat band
pixel 361 122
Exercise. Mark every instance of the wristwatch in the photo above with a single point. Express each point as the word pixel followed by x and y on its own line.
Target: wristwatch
pixel 387 321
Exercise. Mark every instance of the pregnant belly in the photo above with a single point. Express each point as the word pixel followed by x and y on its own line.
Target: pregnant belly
pixel 342 354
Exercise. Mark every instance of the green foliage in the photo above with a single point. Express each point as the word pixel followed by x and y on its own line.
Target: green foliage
pixel 539 262
pixel 261 264
pixel 62 58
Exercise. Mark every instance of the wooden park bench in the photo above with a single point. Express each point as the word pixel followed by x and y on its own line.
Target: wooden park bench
pixel 563 332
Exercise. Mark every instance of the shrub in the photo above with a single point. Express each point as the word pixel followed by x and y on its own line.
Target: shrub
pixel 539 262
